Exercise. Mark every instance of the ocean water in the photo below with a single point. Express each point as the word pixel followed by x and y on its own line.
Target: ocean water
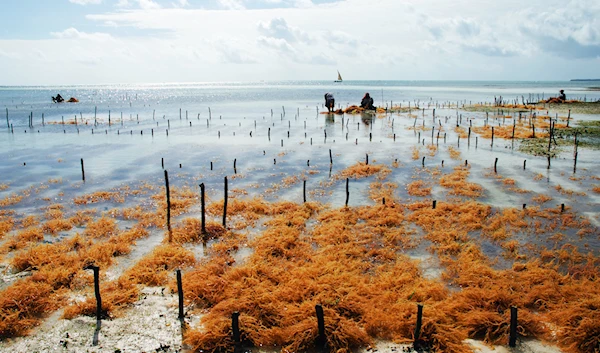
pixel 222 116
pixel 270 130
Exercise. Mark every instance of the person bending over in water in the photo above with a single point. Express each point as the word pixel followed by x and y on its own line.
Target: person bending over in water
pixel 367 102
pixel 562 95
pixel 58 99
pixel 329 102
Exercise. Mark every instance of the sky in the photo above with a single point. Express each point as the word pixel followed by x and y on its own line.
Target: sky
pixel 153 41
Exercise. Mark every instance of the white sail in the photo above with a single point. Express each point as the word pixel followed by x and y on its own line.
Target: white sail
pixel 339 77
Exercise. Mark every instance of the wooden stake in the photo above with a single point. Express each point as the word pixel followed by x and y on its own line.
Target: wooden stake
pixel 180 293
pixel 82 171
pixel 225 203
pixel 235 327
pixel 321 338
pixel 168 205
pixel 347 191
pixel 304 190
pixel 419 323
pixel 96 270
pixel 512 339
pixel 203 209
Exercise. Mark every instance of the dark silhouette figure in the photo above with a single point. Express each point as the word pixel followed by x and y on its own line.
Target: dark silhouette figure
pixel 329 102
pixel 58 99
pixel 367 102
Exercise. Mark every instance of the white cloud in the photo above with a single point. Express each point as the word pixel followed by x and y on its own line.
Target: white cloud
pixel 143 4
pixel 73 33
pixel 9 55
pixel 571 31
pixel 279 44
pixel 181 3
pixel 148 5
pixel 233 52
pixel 292 39
pixel 340 38
pixel 85 2
pixel 232 4
pixel 278 28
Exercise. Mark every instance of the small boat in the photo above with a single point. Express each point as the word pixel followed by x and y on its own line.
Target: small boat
pixel 339 79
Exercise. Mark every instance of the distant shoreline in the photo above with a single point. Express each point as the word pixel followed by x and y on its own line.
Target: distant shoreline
pixel 584 79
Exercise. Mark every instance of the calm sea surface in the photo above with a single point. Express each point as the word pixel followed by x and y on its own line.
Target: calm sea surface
pixel 271 131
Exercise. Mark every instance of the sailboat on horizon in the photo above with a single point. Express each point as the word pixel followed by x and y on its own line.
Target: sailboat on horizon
pixel 339 79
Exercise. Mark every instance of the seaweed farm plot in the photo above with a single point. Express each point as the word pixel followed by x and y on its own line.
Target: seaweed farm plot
pixel 264 231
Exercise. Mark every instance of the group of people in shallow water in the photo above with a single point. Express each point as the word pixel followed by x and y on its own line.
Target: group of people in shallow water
pixel 365 103
pixel 58 99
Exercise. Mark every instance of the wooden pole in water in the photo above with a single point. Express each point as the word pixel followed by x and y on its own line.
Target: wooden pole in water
pixel 347 191
pixel 512 339
pixel 367 159
pixel 203 209
pixel 330 157
pixel 492 137
pixel 82 171
pixel 469 137
pixel 495 163
pixel 225 202
pixel 180 293
pixel 575 163
pixel 168 204
pixel 304 190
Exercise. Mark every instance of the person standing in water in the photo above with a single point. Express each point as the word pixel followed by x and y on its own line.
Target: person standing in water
pixel 329 102
pixel 562 95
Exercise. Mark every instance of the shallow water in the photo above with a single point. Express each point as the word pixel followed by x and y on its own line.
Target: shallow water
pixel 271 131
